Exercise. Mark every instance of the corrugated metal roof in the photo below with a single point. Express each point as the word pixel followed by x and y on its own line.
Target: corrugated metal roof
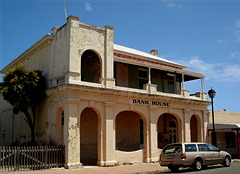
pixel 133 56
pixel 143 54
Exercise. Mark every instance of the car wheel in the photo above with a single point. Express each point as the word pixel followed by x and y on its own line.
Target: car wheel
pixel 227 161
pixel 197 164
pixel 173 168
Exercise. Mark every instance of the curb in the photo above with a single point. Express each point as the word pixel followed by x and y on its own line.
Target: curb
pixel 152 172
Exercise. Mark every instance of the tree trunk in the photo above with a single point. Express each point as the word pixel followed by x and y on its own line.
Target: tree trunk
pixel 31 124
pixel 32 135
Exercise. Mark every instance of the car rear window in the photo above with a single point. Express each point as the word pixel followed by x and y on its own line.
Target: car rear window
pixel 173 148
pixel 190 147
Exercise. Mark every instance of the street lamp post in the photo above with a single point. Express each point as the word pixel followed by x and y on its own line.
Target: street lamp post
pixel 212 94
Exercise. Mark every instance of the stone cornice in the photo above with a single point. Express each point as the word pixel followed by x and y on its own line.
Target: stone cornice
pixel 127 94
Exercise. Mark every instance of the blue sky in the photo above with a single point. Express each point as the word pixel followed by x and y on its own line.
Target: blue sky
pixel 201 34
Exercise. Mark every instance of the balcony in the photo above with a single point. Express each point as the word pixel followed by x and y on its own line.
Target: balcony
pixel 141 79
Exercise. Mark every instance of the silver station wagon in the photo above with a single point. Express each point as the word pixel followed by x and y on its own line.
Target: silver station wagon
pixel 194 155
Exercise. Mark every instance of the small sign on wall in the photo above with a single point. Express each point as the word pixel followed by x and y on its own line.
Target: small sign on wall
pixel 152 103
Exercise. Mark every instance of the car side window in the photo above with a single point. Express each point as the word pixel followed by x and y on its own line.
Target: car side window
pixel 212 148
pixel 190 148
pixel 202 147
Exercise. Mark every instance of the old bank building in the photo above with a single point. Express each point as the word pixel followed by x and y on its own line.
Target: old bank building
pixel 109 104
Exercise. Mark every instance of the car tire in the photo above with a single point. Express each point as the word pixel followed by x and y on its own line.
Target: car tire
pixel 227 161
pixel 197 165
pixel 173 168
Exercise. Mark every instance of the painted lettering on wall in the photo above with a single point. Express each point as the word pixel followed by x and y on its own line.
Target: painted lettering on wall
pixel 153 103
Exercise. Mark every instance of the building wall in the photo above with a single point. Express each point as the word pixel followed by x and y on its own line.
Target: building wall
pixel 107 106
pixel 225 117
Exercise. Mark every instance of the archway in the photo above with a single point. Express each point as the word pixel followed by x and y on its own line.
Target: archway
pixel 194 128
pixel 89 137
pixel 90 67
pixel 129 131
pixel 59 126
pixel 167 130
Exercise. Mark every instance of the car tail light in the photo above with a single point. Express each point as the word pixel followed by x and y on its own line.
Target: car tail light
pixel 160 157
pixel 183 156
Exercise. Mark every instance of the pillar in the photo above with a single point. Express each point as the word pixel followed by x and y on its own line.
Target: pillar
pixel 109 144
pixel 71 134
pixel 108 78
pixel 186 125
pixel 153 139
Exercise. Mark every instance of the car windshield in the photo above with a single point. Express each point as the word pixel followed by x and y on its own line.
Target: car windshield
pixel 173 148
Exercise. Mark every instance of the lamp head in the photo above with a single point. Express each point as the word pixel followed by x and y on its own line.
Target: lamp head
pixel 211 93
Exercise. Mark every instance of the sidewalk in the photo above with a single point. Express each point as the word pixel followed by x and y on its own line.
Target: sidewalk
pixel 140 168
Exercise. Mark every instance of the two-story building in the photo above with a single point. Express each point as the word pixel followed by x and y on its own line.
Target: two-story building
pixel 107 103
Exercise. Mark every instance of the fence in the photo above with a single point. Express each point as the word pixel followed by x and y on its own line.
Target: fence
pixel 14 158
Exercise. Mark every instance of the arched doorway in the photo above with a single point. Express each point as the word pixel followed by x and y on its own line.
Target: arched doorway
pixel 194 128
pixel 167 130
pixel 59 126
pixel 90 67
pixel 129 131
pixel 89 137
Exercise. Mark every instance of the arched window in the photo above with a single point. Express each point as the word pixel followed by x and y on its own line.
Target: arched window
pixel 173 131
pixel 90 67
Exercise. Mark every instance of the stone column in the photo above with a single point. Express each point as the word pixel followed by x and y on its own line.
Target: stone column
pixel 153 139
pixel 204 124
pixel 108 78
pixel 109 135
pixel 186 125
pixel 71 134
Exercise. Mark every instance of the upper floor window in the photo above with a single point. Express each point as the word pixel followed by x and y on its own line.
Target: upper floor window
pixel 171 83
pixel 90 67
pixel 143 77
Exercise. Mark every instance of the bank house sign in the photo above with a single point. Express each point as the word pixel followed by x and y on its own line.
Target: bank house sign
pixel 148 102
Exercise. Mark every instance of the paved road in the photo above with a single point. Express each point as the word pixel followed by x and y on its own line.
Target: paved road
pixel 218 169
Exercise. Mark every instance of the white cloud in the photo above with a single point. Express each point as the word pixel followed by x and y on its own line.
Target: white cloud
pixel 230 72
pixel 88 7
pixel 237 30
pixel 217 72
pixel 235 55
pixel 172 3
pixel 220 41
